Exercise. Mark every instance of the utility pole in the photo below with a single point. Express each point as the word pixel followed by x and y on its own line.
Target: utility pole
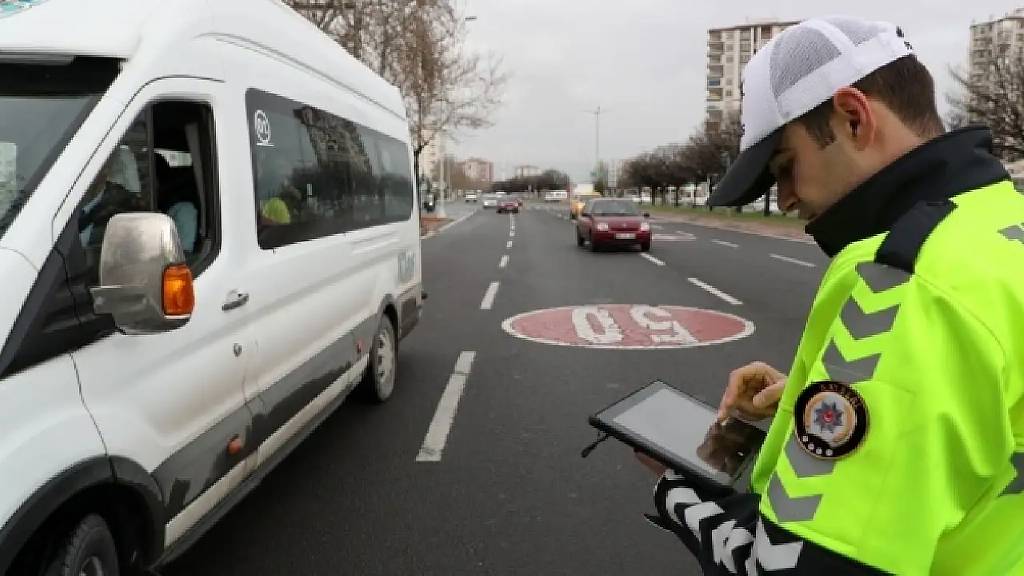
pixel 597 136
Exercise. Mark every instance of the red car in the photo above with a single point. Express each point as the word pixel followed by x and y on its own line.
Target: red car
pixel 507 204
pixel 612 222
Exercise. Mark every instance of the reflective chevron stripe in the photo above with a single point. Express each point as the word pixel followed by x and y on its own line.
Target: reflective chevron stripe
pixel 880 277
pixel 774 557
pixel 679 495
pixel 738 538
pixel 805 465
pixel 719 538
pixel 861 324
pixel 1015 232
pixel 842 370
pixel 1017 485
pixel 787 508
pixel 694 515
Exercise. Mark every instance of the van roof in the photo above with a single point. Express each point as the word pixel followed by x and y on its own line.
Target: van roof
pixel 144 29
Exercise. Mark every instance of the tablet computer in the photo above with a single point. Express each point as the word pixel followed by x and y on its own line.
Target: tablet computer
pixel 681 431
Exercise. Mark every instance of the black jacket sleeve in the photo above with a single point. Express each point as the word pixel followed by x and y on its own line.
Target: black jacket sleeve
pixel 728 534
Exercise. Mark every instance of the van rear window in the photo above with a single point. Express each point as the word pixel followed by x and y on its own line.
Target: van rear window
pixel 318 174
pixel 41 108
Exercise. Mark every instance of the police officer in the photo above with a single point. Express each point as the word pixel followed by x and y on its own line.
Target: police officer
pixel 898 439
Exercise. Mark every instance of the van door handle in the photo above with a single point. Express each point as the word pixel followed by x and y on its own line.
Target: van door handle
pixel 235 300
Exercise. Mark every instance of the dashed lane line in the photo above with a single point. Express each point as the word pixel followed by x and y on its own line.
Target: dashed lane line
pixel 444 417
pixel 793 261
pixel 716 292
pixel 488 301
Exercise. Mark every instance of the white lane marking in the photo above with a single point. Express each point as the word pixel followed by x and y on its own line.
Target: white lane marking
pixel 724 243
pixel 509 244
pixel 716 292
pixel 512 234
pixel 437 434
pixel 792 260
pixel 504 261
pixel 657 227
pixel 652 259
pixel 488 300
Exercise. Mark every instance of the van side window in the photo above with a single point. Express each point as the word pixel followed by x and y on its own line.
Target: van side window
pixel 317 174
pixel 164 163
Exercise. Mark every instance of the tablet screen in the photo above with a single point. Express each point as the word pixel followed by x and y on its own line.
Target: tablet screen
pixel 683 430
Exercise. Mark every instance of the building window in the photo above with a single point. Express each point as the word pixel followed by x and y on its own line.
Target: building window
pixel 728 59
pixel 714 82
pixel 728 93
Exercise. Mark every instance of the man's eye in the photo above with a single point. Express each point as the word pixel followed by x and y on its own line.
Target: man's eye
pixel 782 170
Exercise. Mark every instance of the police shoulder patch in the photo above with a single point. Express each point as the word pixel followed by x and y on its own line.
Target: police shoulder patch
pixel 831 420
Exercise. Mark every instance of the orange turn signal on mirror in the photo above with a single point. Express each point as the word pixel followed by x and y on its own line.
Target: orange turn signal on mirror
pixel 179 299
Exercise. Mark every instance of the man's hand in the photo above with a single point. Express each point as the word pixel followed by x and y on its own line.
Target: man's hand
pixel 651 464
pixel 753 392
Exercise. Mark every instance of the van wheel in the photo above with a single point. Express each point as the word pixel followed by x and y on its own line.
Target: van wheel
pixel 87 550
pixel 382 371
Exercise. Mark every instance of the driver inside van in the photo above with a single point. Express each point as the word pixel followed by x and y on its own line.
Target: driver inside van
pixel 115 190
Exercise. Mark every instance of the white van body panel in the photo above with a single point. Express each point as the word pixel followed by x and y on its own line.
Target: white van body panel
pixel 19 274
pixel 41 411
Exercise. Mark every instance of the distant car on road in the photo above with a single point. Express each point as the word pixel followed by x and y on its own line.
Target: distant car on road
pixel 578 201
pixel 490 201
pixel 471 197
pixel 508 204
pixel 612 222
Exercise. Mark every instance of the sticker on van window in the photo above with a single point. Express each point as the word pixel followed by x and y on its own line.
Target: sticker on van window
pixel 12 7
pixel 8 172
pixel 261 124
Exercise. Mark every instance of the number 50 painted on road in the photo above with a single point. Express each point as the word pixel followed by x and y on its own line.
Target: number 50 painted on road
pixel 628 326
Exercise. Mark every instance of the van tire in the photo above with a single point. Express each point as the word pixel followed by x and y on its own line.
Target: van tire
pixel 89 548
pixel 382 369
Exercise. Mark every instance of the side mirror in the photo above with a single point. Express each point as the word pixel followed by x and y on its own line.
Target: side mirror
pixel 144 282
pixel 647 214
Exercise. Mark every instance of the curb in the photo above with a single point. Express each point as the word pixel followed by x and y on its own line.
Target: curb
pixel 433 233
pixel 806 239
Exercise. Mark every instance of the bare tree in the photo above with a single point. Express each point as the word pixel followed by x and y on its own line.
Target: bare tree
pixel 995 98
pixel 419 46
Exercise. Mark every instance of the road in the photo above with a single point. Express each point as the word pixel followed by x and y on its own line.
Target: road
pixel 509 493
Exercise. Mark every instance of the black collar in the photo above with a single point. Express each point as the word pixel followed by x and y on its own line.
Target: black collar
pixel 939 169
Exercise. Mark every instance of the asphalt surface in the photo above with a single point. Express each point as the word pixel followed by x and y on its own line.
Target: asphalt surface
pixel 510 494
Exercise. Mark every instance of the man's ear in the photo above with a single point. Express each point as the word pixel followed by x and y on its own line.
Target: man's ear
pixel 854 118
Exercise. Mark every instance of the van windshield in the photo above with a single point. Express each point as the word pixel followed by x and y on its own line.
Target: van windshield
pixel 42 104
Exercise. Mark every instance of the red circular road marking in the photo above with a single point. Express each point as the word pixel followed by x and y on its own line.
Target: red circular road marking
pixel 628 326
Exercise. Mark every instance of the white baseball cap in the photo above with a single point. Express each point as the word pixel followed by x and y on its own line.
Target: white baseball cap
pixel 795 72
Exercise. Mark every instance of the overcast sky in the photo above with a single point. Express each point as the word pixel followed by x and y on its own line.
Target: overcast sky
pixel 644 62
